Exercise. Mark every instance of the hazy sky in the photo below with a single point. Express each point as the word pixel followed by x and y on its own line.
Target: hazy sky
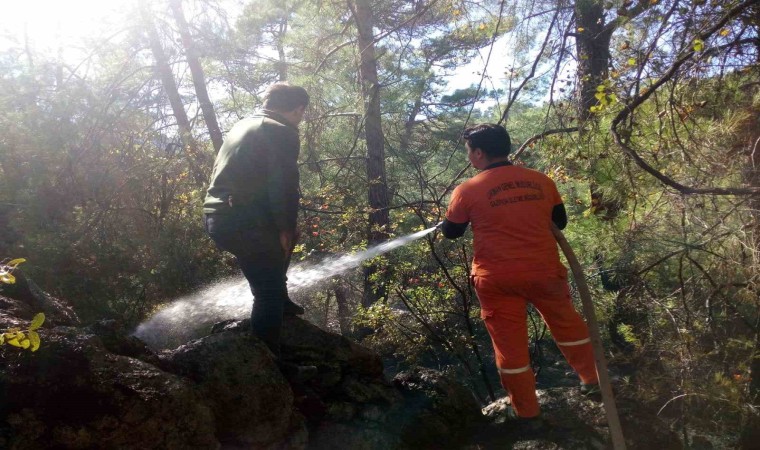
pixel 49 23
pixel 54 25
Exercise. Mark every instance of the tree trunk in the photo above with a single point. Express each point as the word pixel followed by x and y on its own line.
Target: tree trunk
pixel 170 86
pixel 199 79
pixel 377 230
pixel 282 64
pixel 344 311
pixel 411 121
pixel 592 44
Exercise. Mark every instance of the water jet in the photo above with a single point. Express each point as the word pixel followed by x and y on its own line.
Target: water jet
pixel 180 321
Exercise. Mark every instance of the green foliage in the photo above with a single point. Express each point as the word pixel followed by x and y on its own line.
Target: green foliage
pixel 95 183
pixel 604 98
pixel 26 339
pixel 6 270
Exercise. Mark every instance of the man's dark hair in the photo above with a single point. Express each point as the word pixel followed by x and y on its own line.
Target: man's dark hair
pixel 491 138
pixel 285 98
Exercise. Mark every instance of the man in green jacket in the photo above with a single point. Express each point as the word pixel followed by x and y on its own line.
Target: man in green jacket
pixel 252 203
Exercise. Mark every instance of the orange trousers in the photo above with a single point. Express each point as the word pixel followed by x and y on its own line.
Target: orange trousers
pixel 503 301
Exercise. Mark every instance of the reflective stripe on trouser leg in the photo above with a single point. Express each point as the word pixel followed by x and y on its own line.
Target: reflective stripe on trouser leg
pixel 581 358
pixel 521 387
pixel 574 343
pixel 520 384
pixel 510 344
pixel 570 332
pixel 514 371
pixel 505 317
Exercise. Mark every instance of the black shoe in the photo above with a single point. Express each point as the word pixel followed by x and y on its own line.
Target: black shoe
pixel 291 308
pixel 295 373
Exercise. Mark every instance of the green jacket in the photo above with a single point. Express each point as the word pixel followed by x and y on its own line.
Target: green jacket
pixel 256 173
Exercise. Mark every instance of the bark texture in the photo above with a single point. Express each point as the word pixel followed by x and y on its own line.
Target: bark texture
pixel 376 176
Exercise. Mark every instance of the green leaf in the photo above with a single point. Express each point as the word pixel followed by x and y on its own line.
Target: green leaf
pixel 699 45
pixel 631 61
pixel 600 88
pixel 599 95
pixel 6 277
pixel 2 339
pixel 15 262
pixel 34 338
pixel 37 321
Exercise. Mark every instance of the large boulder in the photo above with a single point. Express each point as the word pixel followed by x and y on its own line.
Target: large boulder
pixel 73 393
pixel 348 403
pixel 305 342
pixel 351 404
pixel 438 412
pixel 236 375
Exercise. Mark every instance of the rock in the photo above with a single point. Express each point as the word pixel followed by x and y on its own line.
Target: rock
pixel 98 387
pixel 30 300
pixel 235 373
pixel 700 442
pixel 14 314
pixel 574 422
pixel 114 337
pixel 306 343
pixel 350 404
pixel 438 412
pixel 337 435
pixel 73 393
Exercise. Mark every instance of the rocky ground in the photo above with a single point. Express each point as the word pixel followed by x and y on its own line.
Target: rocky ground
pixel 97 387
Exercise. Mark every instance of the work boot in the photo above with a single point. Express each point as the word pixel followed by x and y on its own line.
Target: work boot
pixel 591 391
pixel 295 373
pixel 526 425
pixel 290 308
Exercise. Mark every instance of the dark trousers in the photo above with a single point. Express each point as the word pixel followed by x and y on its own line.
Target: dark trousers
pixel 262 261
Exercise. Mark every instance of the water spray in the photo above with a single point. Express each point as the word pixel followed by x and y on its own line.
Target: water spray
pixel 231 298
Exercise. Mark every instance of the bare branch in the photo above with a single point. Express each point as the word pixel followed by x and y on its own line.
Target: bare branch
pixel 644 96
pixel 532 73
pixel 533 139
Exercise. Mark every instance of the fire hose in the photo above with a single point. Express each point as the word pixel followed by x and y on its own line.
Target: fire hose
pixel 608 399
pixel 605 387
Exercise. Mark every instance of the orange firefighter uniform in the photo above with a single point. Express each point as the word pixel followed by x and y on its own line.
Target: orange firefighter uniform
pixel 516 261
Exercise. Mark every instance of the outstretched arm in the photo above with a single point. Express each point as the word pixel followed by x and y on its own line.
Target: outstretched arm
pixel 453 230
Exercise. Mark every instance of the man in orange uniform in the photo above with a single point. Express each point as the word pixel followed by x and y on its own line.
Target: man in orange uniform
pixel 516 261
